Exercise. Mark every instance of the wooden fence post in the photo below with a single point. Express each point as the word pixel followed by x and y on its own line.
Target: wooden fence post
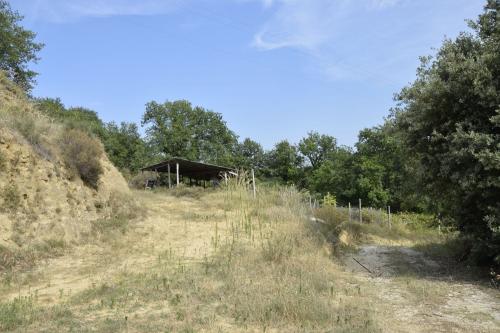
pixel 177 171
pixel 169 181
pixel 349 212
pixel 389 212
pixel 253 184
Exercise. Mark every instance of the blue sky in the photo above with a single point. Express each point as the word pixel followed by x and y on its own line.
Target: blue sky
pixel 275 69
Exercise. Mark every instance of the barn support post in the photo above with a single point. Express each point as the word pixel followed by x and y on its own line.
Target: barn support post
pixel 156 182
pixel 177 172
pixel 169 181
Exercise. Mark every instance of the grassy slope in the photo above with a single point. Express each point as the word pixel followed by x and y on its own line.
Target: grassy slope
pixel 220 261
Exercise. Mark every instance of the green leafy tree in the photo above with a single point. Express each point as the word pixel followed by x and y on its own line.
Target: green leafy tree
pixel 384 146
pixel 76 117
pixel 451 118
pixel 335 176
pixel 177 129
pixel 249 155
pixel 317 148
pixel 369 182
pixel 284 162
pixel 17 48
pixel 125 146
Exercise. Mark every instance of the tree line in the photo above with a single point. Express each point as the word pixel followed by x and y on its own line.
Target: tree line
pixel 438 151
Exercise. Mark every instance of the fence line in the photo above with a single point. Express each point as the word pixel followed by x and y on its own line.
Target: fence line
pixel 360 213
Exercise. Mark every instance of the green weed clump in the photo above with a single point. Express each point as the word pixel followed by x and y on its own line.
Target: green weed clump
pixel 23 312
pixel 82 154
pixel 19 312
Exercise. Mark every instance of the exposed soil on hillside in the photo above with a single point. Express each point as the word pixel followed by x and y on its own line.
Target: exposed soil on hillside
pixel 162 232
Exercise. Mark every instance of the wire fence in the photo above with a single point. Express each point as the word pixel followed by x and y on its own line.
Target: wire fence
pixel 358 213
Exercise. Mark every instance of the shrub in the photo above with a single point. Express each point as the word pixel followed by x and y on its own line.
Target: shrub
pixel 82 154
pixel 11 198
pixel 27 126
pixel 333 216
pixel 139 180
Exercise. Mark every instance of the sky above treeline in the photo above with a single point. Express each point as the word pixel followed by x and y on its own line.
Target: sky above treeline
pixel 275 69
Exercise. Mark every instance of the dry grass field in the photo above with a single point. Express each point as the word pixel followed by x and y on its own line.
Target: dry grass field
pixel 220 261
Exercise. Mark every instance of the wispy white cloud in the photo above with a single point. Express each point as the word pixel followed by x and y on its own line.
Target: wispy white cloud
pixel 67 10
pixel 300 24
pixel 309 24
pixel 317 27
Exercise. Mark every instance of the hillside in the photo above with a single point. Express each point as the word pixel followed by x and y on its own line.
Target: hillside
pixel 42 199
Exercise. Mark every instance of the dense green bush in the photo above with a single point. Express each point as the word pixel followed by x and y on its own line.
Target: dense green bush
pixel 82 154
pixel 450 118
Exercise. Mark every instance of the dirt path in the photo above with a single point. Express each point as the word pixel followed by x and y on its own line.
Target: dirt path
pixel 172 226
pixel 415 294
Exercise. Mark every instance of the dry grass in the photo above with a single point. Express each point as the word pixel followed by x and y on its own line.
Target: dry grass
pixel 11 259
pixel 266 268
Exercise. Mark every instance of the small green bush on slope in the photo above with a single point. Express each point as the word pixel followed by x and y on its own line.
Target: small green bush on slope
pixel 82 153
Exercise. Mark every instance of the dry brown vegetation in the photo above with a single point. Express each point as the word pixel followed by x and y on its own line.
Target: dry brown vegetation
pixel 221 261
pixel 83 155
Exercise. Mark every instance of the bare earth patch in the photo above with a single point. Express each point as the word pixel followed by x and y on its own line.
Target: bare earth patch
pixel 419 300
pixel 163 232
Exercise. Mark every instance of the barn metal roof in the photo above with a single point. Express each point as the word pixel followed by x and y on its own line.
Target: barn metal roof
pixel 190 169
